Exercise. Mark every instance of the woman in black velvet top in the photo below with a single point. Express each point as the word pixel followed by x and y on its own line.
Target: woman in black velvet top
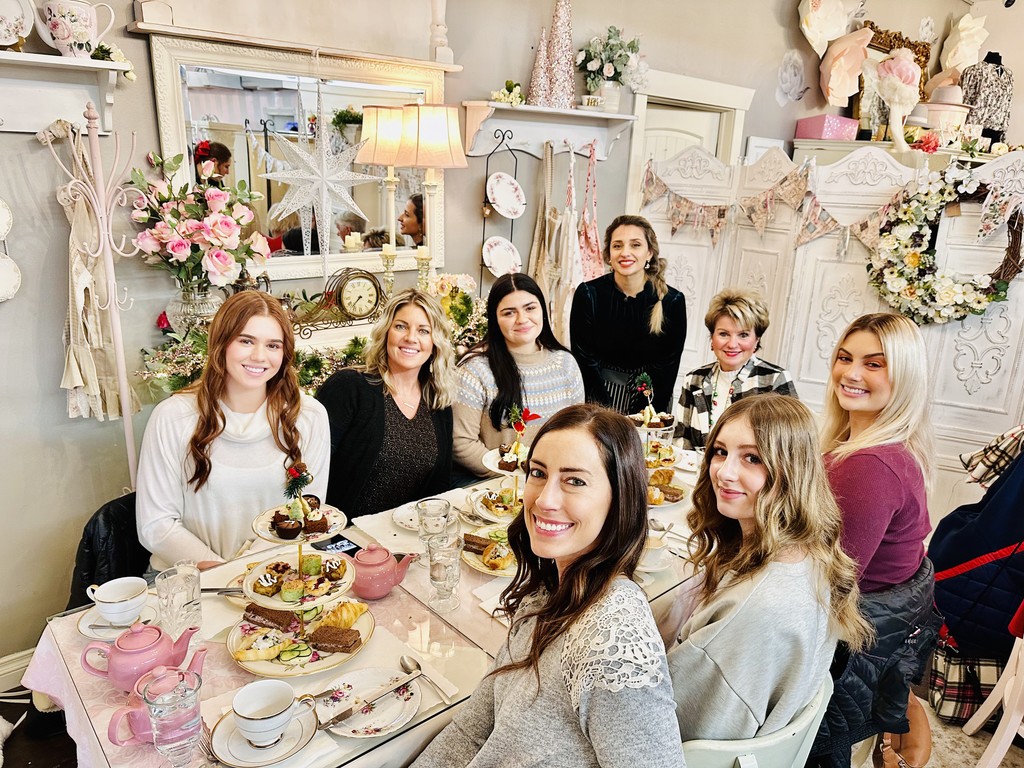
pixel 628 321
pixel 391 422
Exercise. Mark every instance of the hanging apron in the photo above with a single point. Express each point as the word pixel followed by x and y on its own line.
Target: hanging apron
pixel 590 237
pixel 546 229
pixel 567 270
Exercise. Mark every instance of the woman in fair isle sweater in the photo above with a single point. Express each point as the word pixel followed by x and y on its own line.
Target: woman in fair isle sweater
pixel 518 363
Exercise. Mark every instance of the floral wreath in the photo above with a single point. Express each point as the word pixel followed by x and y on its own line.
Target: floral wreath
pixel 902 267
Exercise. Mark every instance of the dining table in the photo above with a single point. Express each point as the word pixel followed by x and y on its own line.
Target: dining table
pixel 456 649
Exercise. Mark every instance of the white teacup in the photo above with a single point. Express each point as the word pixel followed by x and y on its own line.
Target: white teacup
pixel 592 100
pixel 655 554
pixel 264 709
pixel 119 601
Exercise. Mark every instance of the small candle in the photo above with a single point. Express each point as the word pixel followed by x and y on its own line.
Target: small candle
pixel 389 250
pixel 422 252
pixel 350 242
pixel 358 237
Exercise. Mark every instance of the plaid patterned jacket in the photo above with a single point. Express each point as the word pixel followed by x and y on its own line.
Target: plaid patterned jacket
pixel 755 378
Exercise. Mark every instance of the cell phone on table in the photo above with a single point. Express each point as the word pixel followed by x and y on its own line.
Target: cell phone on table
pixel 338 543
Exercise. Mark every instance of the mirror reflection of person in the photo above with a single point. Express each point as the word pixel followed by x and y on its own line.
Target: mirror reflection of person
pixel 411 221
pixel 216 153
pixel 345 223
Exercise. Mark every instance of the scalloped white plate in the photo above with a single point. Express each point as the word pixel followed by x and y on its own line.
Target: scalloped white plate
pixel 506 195
pixel 501 257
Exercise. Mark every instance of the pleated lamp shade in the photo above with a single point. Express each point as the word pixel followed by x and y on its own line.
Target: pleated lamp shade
pixel 430 137
pixel 382 129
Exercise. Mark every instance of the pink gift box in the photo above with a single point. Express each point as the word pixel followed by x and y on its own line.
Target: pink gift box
pixel 827 127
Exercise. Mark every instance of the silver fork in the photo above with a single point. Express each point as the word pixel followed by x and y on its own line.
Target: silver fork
pixel 206 745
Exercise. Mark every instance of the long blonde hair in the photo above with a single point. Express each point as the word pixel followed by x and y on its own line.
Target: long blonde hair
pixel 654 270
pixel 437 375
pixel 795 510
pixel 905 418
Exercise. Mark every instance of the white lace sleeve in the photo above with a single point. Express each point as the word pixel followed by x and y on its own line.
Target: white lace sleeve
pixel 614 645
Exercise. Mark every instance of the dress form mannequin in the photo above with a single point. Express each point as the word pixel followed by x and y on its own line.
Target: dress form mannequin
pixel 988 87
pixel 994 57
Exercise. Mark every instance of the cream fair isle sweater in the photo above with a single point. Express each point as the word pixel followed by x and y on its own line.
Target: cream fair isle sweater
pixel 247 477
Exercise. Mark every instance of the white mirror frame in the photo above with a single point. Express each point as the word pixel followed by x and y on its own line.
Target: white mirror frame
pixel 170 54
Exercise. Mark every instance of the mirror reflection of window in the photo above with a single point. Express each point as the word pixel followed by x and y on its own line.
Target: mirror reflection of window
pixel 240 109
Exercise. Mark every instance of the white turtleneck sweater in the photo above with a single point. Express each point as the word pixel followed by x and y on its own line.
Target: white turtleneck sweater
pixel 247 476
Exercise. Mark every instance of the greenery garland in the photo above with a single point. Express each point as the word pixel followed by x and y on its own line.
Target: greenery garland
pixel 902 267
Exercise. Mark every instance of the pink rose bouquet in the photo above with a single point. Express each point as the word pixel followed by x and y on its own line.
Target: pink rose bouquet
pixel 194 231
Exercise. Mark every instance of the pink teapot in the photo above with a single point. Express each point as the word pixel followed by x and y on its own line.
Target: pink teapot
pixel 377 571
pixel 138 650
pixel 138 716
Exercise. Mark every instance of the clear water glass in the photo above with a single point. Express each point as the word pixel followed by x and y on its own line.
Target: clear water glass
pixel 178 592
pixel 173 703
pixel 444 553
pixel 434 516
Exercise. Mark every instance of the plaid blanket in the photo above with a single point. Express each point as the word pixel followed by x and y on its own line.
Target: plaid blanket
pixel 985 466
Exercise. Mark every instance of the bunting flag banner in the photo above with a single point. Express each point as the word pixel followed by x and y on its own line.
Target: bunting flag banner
pixel 653 187
pixel 867 230
pixel 760 209
pixel 264 158
pixel 679 209
pixel 816 221
pixel 999 205
pixel 790 189
pixel 793 186
pixel 712 218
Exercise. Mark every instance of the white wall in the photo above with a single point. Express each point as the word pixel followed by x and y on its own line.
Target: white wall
pixel 55 471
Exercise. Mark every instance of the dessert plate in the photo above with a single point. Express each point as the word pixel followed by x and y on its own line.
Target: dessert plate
pixel 501 257
pixel 337 589
pixel 263 526
pixel 385 716
pixel 231 748
pixel 474 560
pixel 92 616
pixel 506 195
pixel 365 625
pixel 405 517
pixel 476 499
pixel 491 459
pixel 688 461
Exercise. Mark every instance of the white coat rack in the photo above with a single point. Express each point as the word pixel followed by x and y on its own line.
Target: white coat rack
pixel 103 201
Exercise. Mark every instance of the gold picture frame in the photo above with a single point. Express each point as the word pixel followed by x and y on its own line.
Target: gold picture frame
pixel 888 41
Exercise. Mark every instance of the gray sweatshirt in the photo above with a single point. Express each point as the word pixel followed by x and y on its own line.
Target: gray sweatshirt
pixel 604 698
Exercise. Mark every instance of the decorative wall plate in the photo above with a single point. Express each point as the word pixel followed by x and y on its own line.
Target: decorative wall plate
pixel 16 19
pixel 506 195
pixel 501 257
pixel 10 275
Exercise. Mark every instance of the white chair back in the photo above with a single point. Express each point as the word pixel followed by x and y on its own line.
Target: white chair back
pixel 785 748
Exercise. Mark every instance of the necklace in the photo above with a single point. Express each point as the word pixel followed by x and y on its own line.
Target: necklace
pixel 395 395
pixel 714 397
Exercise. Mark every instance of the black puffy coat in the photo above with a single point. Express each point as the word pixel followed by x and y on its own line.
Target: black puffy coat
pixel 873 686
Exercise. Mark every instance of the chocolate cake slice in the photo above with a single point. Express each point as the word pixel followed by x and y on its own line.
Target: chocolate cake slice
pixel 268 617
pixel 475 544
pixel 335 640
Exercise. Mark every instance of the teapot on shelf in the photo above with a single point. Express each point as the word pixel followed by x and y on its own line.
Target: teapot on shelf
pixel 136 712
pixel 377 571
pixel 135 652
pixel 70 26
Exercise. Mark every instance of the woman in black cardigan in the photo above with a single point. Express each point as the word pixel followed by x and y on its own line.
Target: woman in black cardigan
pixel 391 421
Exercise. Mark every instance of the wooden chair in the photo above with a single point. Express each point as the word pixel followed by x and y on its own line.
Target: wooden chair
pixel 785 748
pixel 1008 694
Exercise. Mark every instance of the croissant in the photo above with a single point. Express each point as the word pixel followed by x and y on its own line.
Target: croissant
pixel 344 614
pixel 662 476
pixel 263 645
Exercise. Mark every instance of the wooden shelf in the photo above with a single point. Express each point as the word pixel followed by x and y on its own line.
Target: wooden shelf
pixel 36 89
pixel 532 126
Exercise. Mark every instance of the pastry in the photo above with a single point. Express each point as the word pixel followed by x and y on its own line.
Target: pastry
pixel 268 617
pixel 335 640
pixel 310 565
pixel 312 501
pixel 280 567
pixel 296 510
pixel 280 515
pixel 498 556
pixel 296 653
pixel 655 496
pixel 292 590
pixel 268 584
pixel 344 614
pixel 317 522
pixel 508 457
pixel 262 645
pixel 334 568
pixel 672 493
pixel 315 586
pixel 662 476
pixel 475 544
pixel 288 529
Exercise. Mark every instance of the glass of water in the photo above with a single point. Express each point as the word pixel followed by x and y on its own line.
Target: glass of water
pixel 173 703
pixel 444 553
pixel 177 590
pixel 434 516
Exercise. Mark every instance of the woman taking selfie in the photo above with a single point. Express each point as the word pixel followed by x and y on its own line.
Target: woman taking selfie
pixel 766 534
pixel 879 453
pixel 518 363
pixel 216 453
pixel 391 422
pixel 629 321
pixel 581 680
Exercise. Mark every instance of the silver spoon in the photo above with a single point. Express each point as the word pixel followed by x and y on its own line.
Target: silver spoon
pixel 657 525
pixel 117 626
pixel 410 665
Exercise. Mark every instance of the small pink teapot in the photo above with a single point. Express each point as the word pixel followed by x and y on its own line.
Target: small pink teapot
pixel 136 712
pixel 138 650
pixel 377 571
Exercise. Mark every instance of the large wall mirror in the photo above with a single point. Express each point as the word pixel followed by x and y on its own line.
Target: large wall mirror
pixel 239 96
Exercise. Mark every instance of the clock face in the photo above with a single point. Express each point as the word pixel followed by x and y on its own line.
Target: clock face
pixel 360 296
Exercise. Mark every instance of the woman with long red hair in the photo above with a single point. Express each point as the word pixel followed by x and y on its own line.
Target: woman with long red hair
pixel 217 453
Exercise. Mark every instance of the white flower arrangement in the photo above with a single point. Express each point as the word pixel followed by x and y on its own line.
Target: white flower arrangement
pixel 511 94
pixel 614 58
pixel 903 268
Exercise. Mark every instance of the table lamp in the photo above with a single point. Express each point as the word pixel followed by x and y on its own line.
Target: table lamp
pixel 382 132
pixel 430 139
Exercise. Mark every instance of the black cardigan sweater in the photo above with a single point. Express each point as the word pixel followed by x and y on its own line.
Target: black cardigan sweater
pixel 355 407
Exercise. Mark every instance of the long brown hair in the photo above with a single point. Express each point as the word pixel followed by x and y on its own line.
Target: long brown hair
pixel 618 547
pixel 794 510
pixel 654 270
pixel 282 390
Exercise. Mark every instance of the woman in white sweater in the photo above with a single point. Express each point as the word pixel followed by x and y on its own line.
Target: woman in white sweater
pixel 216 454
pixel 777 591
